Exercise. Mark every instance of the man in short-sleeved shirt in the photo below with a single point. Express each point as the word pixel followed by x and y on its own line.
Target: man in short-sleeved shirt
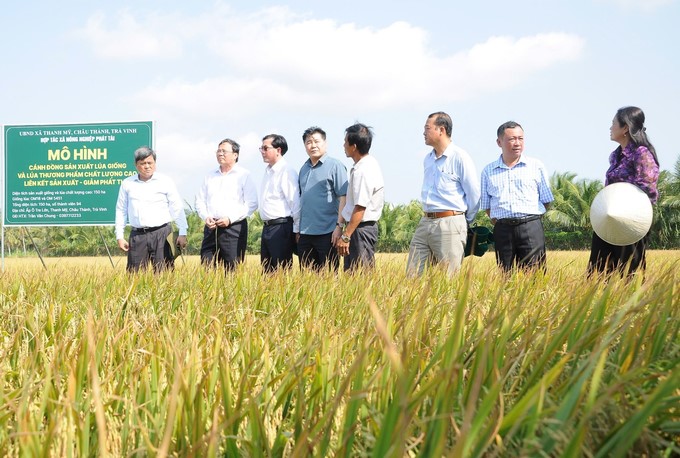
pixel 323 186
pixel 515 193
pixel 364 202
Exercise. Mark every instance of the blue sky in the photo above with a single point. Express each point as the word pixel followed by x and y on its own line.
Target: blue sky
pixel 209 70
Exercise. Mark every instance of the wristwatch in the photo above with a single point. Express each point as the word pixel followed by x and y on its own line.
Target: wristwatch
pixel 345 238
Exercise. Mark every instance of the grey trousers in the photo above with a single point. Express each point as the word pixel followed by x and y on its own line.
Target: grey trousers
pixel 362 246
pixel 438 241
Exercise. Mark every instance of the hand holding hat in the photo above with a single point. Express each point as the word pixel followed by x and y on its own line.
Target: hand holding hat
pixel 621 214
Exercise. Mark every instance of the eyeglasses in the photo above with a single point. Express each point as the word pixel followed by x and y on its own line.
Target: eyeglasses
pixel 265 148
pixel 222 152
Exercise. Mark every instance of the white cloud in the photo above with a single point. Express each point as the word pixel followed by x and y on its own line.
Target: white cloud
pixel 234 98
pixel 503 62
pixel 283 60
pixel 129 38
pixel 320 55
pixel 292 61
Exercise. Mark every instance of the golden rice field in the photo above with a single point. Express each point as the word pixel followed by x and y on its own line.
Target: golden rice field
pixel 95 362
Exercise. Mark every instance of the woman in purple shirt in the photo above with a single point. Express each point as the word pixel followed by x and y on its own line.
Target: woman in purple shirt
pixel 634 161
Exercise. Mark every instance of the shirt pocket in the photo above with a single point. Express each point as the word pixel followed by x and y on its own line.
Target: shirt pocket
pixel 501 191
pixel 527 189
pixel 447 182
pixel 143 204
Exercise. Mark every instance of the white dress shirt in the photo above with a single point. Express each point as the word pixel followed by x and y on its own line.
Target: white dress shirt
pixel 230 195
pixel 280 193
pixel 149 203
pixel 366 188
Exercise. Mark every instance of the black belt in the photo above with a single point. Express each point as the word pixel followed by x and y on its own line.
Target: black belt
pixel 366 223
pixel 275 221
pixel 149 229
pixel 518 221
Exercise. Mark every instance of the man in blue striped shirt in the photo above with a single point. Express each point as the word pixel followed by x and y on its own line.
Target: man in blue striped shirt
pixel 515 193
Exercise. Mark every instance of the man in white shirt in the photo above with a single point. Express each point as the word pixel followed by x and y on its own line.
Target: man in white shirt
pixel 149 201
pixel 364 202
pixel 279 205
pixel 225 201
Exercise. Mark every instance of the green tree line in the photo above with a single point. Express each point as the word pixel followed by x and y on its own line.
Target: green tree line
pixel 567 224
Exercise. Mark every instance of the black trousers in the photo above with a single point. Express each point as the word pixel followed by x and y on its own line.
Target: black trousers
pixel 521 245
pixel 317 252
pixel 607 258
pixel 276 246
pixel 150 246
pixel 225 245
pixel 362 246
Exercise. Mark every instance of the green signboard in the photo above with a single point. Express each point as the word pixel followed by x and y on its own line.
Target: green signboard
pixel 68 174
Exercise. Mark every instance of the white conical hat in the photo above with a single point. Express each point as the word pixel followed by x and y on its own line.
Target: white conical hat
pixel 621 214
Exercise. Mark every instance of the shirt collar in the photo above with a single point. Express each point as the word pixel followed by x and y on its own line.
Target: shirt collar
pixel 501 165
pixel 361 161
pixel 320 161
pixel 278 166
pixel 448 152
pixel 153 177
pixel 235 168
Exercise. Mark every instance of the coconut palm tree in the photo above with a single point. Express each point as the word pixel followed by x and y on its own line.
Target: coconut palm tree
pixel 665 232
pixel 571 209
pixel 16 241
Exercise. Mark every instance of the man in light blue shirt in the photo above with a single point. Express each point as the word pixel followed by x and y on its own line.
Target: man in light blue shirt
pixel 323 187
pixel 515 193
pixel 450 199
